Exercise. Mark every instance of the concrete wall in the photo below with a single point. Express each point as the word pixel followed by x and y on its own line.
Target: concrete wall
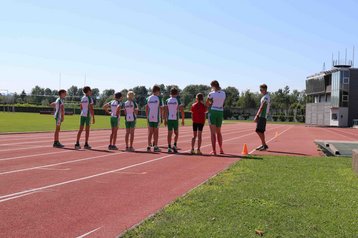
pixel 353 96
pixel 318 114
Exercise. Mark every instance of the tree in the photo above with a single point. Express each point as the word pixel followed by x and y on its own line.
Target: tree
pixel 141 94
pixel 95 92
pixel 23 95
pixel 189 93
pixel 37 94
pixel 232 96
pixel 248 100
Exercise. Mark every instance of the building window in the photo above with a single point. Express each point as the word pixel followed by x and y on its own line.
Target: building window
pixel 334 116
pixel 345 98
pixel 346 80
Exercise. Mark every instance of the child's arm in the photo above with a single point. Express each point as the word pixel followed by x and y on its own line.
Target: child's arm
pixel 165 115
pixel 259 111
pixel 162 115
pixel 53 104
pixel 182 115
pixel 92 112
pixel 208 102
pixel 118 112
pixel 105 108
pixel 62 113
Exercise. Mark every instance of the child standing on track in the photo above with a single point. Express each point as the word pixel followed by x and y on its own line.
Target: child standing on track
pixel 215 102
pixel 59 116
pixel 131 111
pixel 172 108
pixel 198 110
pixel 154 113
pixel 261 117
pixel 115 113
pixel 86 113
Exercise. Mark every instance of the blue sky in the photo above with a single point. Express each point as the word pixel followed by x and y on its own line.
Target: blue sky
pixel 122 44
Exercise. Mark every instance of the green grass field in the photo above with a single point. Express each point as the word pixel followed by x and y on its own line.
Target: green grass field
pixel 281 196
pixel 31 122
pixel 28 122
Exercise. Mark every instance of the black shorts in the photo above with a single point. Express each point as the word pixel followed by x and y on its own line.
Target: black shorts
pixel 198 126
pixel 261 125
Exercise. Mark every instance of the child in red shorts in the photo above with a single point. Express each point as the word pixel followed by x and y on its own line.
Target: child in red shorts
pixel 198 110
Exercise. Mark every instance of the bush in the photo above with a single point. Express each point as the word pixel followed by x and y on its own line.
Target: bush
pixel 282 117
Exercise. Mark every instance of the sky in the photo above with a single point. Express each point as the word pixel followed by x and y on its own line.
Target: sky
pixel 122 44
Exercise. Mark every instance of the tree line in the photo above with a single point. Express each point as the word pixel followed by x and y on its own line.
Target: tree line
pixel 284 102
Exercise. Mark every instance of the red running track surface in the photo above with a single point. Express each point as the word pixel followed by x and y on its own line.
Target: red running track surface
pixel 47 192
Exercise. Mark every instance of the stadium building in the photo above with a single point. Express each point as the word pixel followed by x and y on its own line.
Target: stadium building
pixel 333 96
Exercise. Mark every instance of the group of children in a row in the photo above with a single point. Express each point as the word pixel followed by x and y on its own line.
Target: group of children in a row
pixel 157 112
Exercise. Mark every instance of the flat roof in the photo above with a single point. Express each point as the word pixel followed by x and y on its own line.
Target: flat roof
pixel 327 72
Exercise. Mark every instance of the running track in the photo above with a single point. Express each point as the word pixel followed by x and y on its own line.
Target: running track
pixel 47 192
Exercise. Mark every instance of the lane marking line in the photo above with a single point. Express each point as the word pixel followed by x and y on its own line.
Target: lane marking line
pixel 88 233
pixel 14 195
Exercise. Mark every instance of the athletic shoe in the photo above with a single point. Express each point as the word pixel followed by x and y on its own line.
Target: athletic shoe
pixel 170 150
pixel 221 152
pixel 148 149
pixel 114 147
pixel 77 146
pixel 127 148
pixel 263 148
pixel 110 147
pixel 87 146
pixel 192 152
pixel 58 145
pixel 213 153
pixel 131 149
pixel 175 150
pixel 156 149
pixel 198 152
pixel 260 147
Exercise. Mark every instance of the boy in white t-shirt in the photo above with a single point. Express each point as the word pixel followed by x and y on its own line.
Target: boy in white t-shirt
pixel 261 117
pixel 115 112
pixel 173 106
pixel 154 113
pixel 59 116
pixel 86 113
pixel 130 111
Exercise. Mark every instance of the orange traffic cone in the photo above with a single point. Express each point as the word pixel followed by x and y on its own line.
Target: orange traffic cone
pixel 244 150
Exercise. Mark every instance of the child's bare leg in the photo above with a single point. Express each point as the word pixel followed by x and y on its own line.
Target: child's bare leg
pixel 170 134
pixel 199 139
pixel 79 134
pixel 132 136
pixel 194 139
pixel 57 132
pixel 176 133
pixel 220 137
pixel 87 133
pixel 127 136
pixel 156 135
pixel 150 135
pixel 213 137
pixel 114 132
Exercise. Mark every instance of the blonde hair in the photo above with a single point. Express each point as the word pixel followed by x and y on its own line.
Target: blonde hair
pixel 130 95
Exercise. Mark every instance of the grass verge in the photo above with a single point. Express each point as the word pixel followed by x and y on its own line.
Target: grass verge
pixel 281 196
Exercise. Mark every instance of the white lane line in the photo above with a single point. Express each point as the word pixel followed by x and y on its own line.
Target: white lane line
pixel 48 146
pixel 252 151
pixel 88 233
pixel 75 161
pixel 136 173
pixel 19 196
pixel 66 169
pixel 14 195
